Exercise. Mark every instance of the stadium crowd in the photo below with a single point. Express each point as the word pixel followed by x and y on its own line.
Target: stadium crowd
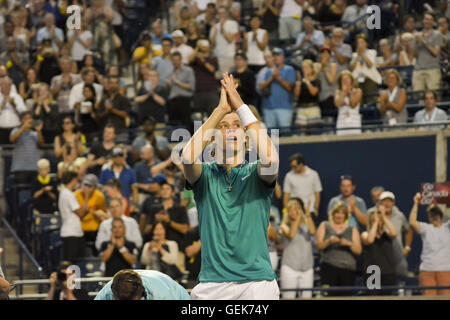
pixel 300 63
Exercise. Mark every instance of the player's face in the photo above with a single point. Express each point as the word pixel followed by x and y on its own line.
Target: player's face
pixel 232 132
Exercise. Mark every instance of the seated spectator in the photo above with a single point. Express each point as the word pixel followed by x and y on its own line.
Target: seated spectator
pixel 297 229
pixel 113 189
pixel 144 176
pixel 144 53
pixel 205 66
pixel 69 138
pixel 44 189
pixel 340 245
pixel 348 100
pixel 161 254
pixel 59 288
pixel 159 143
pixel 163 63
pixel 364 69
pixel 192 248
pixel 355 204
pixel 116 210
pixel 244 77
pixel 393 100
pixel 255 44
pixel 11 105
pixel 407 56
pixel 279 82
pixel 118 253
pixel 92 202
pixel 379 250
pixel 46 64
pixel 85 112
pixel 114 108
pixel 61 85
pixel 26 142
pixel 119 168
pixel 151 98
pixel 79 41
pixel 310 40
pixel 306 92
pixel 430 113
pixel 428 43
pixel 100 152
pixel 45 110
pixel 387 58
pixel 76 93
pixel 16 61
pixel 180 46
pixel 435 256
pixel 72 236
pixel 327 80
pixel 28 89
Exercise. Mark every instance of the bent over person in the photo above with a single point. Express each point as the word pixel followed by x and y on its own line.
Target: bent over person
pixel 233 199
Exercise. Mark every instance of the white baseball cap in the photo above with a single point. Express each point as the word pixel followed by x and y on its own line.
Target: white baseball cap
pixel 387 195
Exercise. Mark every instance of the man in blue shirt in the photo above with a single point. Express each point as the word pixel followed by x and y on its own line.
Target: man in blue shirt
pixel 50 31
pixel 278 108
pixel 119 170
pixel 142 285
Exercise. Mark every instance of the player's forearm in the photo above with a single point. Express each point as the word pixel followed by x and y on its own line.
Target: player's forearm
pixel 265 148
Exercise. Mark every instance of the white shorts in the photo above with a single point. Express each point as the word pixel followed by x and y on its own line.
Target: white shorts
pixel 254 290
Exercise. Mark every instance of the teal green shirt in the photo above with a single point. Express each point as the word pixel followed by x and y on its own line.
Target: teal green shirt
pixel 233 225
pixel 158 286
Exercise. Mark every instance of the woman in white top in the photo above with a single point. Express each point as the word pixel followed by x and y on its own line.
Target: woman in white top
pixel 18 18
pixel 297 261
pixel 364 68
pixel 393 100
pixel 407 55
pixel 255 44
pixel 160 254
pixel 80 41
pixel 347 100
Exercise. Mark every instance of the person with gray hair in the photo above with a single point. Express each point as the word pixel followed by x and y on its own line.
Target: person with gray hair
pixel 62 84
pixel 11 105
pixel 341 52
pixel 50 31
pixel 375 193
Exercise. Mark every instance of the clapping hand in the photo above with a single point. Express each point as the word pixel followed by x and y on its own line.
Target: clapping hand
pixel 234 99
pixel 345 243
pixel 417 198
pixel 333 239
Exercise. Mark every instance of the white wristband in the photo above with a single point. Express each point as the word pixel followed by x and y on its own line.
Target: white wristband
pixel 246 115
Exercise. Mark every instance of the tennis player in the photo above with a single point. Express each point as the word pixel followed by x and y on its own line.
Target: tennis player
pixel 233 199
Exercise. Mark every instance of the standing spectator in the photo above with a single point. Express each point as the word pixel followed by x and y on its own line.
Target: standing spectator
pixel 330 13
pixel 310 41
pixel 163 64
pixel 180 46
pixel 69 138
pixel 8 29
pixel 244 77
pixel 205 66
pixel 348 100
pixel 356 204
pixel 280 79
pixel 144 53
pixel 443 23
pixel 387 58
pixel 306 91
pixel 193 34
pixel 430 113
pixel 16 61
pixel 76 93
pixel 435 256
pixel 46 64
pixel 158 34
pixel 45 110
pixel 28 88
pixel 11 105
pixel 151 98
pixel 341 52
pixel 101 151
pixel 340 244
pixel 62 84
pixel 113 189
pixel 208 19
pixel 297 261
pixel 375 194
pixel 364 69
pixel 159 143
pixel 264 94
pixel 378 243
pixel 73 245
pixel 223 39
pixel 85 116
pixel 118 168
pixel 181 83
pixel 50 31
pixel 289 23
pixel 409 27
pixel 327 79
pixel 303 183
pixel 393 100
pixel 114 108
pixel 192 248
pixel 184 19
pixel 268 11
pixel 118 253
pixel 44 189
pixel 20 31
pixel 80 41
pixel 255 44
pixel 93 203
pixel 161 254
pixel 407 55
pixel 143 171
pixel 26 153
pixel 354 14
pixel 427 73
pixel 116 210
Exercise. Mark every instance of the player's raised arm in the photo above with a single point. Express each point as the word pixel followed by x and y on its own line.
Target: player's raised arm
pixel 269 160
pixel 194 148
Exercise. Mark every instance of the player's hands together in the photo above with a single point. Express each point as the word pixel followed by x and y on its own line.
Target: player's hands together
pixel 234 99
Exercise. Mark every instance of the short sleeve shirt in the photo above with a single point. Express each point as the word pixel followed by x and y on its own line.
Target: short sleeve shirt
pixel 425 60
pixel 435 247
pixel 279 97
pixel 71 223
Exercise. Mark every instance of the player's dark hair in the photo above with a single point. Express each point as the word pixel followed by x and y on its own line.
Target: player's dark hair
pixel 127 285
